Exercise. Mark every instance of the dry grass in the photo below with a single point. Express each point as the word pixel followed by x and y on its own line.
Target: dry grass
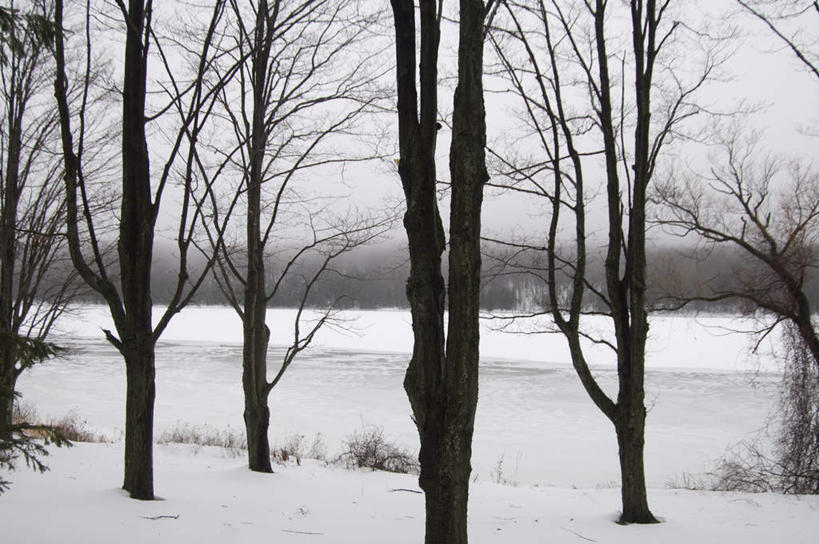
pixel 70 426
pixel 204 435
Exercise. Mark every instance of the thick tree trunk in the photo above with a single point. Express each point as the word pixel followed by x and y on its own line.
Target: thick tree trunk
pixel 139 419
pixel 257 421
pixel 631 441
pixel 442 377
pixel 254 384
pixel 445 481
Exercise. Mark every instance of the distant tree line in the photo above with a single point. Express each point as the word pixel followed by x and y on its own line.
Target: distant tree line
pixel 375 277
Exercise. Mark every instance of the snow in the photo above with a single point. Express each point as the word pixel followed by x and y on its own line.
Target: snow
pixel 209 497
pixel 534 422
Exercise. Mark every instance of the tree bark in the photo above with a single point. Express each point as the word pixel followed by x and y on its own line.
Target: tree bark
pixel 256 336
pixel 630 431
pixel 8 381
pixel 254 382
pixel 139 418
pixel 257 422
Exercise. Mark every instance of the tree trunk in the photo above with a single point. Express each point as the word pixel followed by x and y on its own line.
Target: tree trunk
pixel 442 377
pixel 8 259
pixel 804 325
pixel 257 421
pixel 256 333
pixel 254 384
pixel 445 481
pixel 135 249
pixel 139 419
pixel 630 431
pixel 8 382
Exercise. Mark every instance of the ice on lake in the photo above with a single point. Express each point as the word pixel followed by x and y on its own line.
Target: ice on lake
pixel 534 423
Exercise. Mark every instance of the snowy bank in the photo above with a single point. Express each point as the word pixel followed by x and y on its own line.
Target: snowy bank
pixel 208 497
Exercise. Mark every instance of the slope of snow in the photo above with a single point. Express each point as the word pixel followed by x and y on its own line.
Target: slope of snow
pixel 209 497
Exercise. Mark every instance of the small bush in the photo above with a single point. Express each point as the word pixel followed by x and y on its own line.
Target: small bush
pixel 369 449
pixel 70 427
pixel 74 429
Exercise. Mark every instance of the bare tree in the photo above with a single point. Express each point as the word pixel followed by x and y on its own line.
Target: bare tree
pixel 125 284
pixel 594 112
pixel 36 282
pixel 766 206
pixel 767 209
pixel 442 377
pixel 302 83
pixel 763 206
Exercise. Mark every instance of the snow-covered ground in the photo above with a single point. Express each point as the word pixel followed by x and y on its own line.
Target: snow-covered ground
pixel 534 423
pixel 210 498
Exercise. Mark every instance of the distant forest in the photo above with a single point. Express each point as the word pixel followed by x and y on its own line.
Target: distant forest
pixel 375 277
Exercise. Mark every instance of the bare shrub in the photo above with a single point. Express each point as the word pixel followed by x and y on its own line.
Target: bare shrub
pixel 295 448
pixel 792 464
pixel 204 435
pixel 74 429
pixel 369 449
pixel 797 443
pixel 70 427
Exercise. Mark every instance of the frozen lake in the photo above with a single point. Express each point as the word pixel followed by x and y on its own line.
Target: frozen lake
pixel 532 410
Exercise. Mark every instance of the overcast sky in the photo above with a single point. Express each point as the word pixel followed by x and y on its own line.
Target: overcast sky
pixel 762 72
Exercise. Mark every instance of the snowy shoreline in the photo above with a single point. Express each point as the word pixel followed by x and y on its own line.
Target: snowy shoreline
pixel 675 341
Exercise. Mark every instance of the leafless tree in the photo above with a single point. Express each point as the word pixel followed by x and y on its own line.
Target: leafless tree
pixel 36 282
pixel 602 94
pixel 305 80
pixel 180 108
pixel 765 207
pixel 442 377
